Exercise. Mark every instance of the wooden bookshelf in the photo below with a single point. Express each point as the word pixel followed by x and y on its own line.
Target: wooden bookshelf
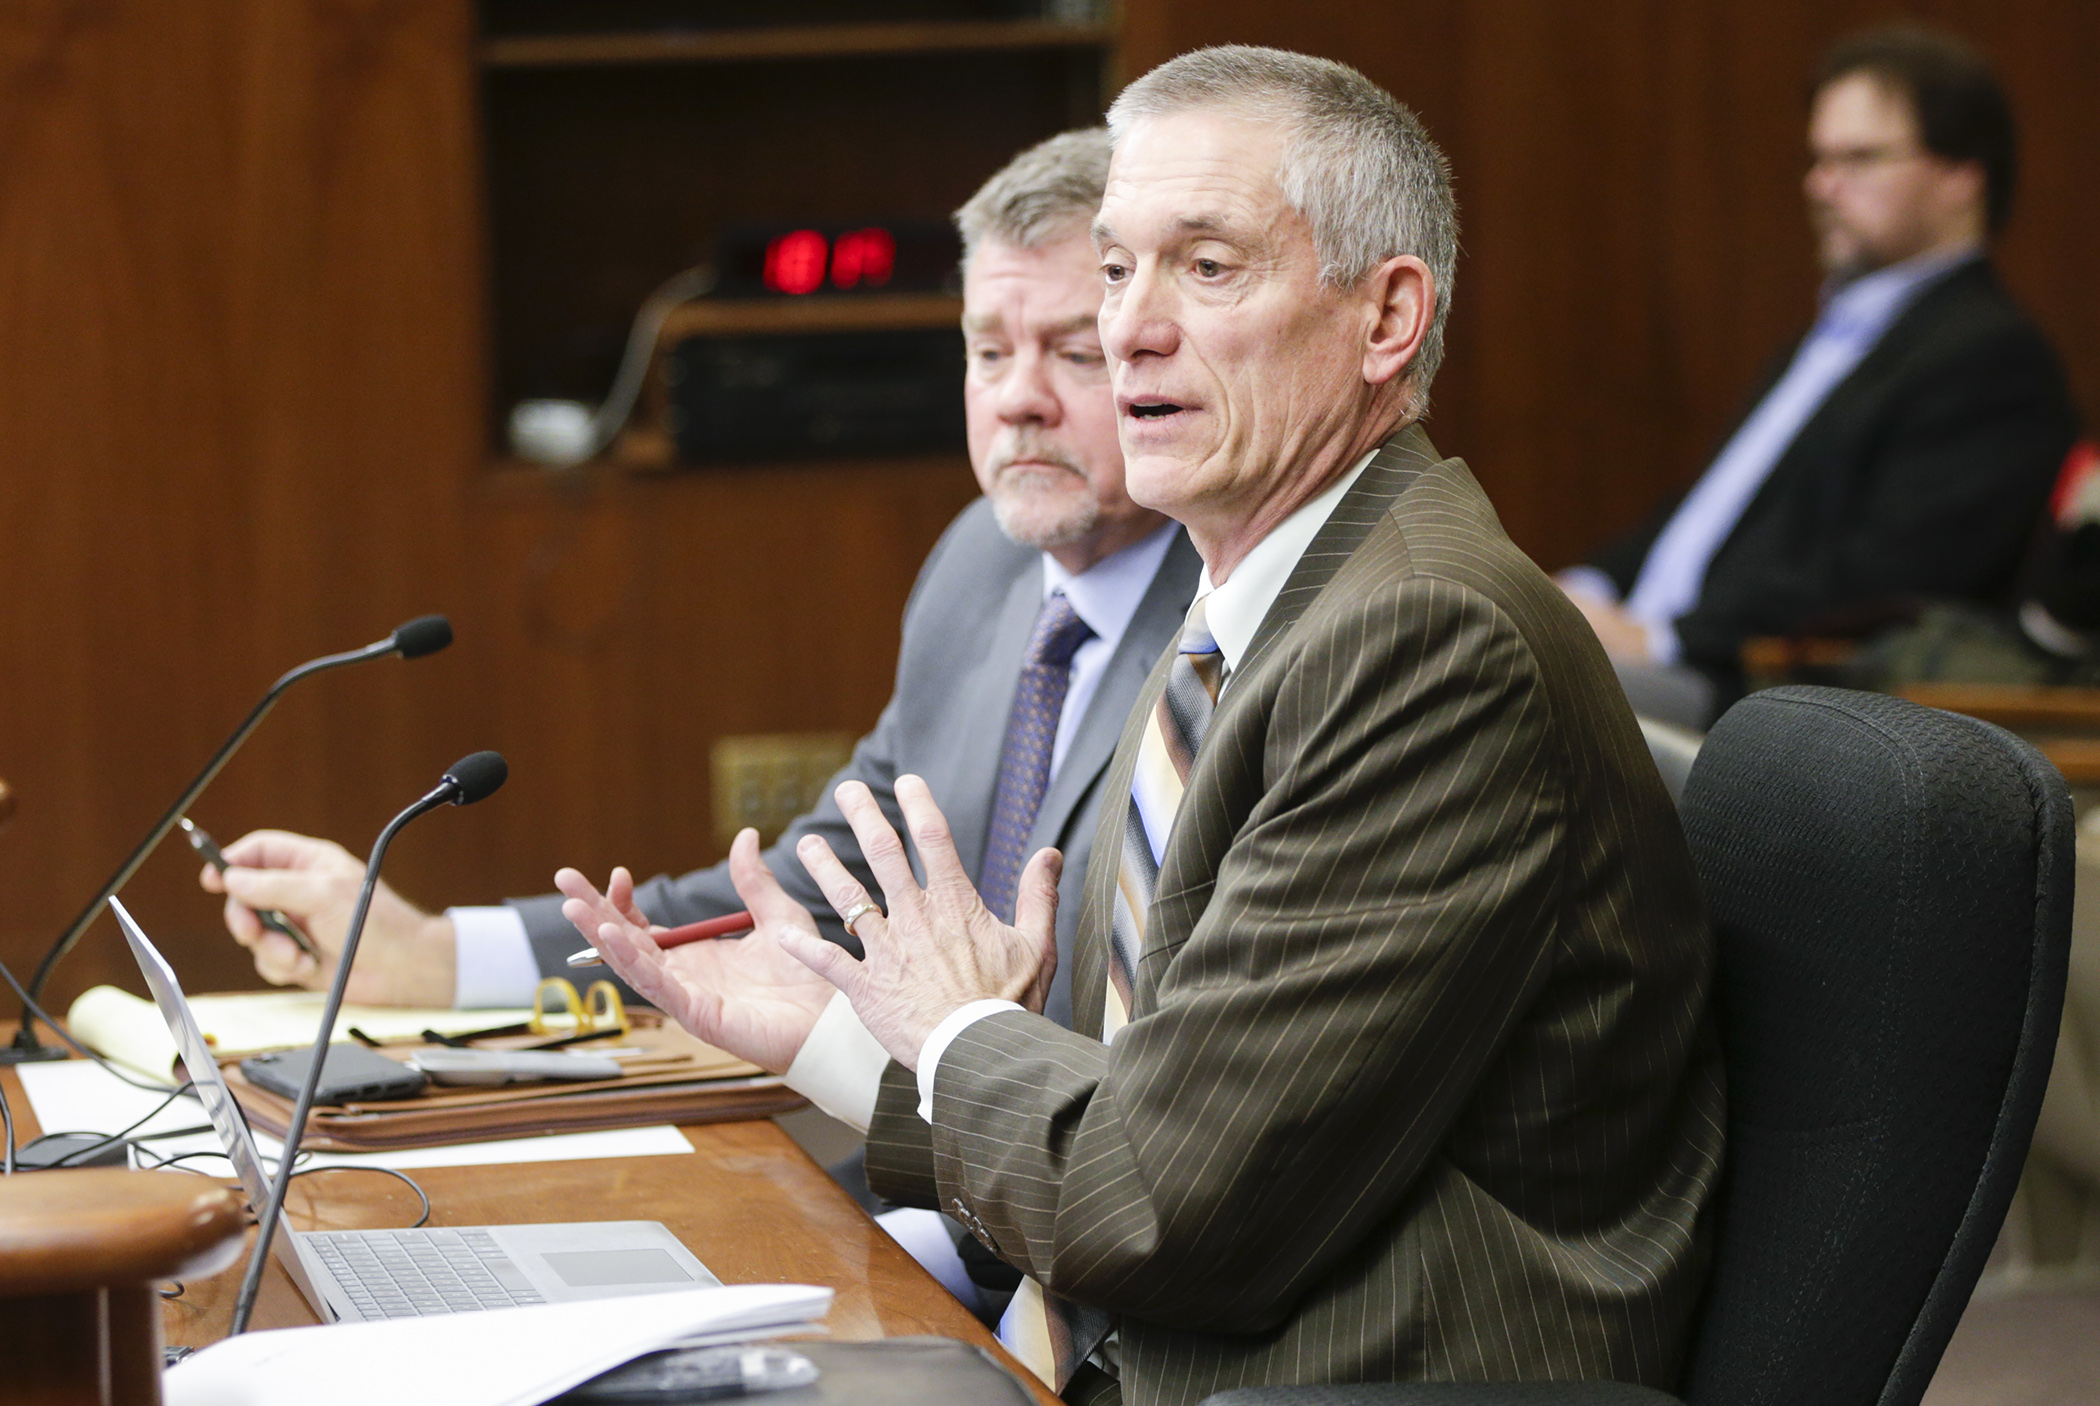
pixel 616 156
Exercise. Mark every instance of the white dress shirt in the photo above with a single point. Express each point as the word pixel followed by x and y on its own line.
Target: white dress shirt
pixel 1106 595
pixel 1854 319
pixel 1234 613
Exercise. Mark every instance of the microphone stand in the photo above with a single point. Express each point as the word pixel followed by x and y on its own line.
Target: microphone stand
pixel 27 1048
pixel 462 791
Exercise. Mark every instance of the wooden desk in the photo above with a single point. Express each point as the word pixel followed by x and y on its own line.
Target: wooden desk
pixel 748 1202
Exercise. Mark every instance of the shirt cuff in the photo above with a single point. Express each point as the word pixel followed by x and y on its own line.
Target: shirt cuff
pixel 495 962
pixel 839 1067
pixel 958 1020
pixel 1588 581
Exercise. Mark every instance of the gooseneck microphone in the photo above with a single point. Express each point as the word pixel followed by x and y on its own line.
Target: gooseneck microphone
pixel 426 634
pixel 469 779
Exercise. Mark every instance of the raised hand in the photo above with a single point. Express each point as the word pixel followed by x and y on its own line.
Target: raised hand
pixel 406 958
pixel 939 947
pixel 744 995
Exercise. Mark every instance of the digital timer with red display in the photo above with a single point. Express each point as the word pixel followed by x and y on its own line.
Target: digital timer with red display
pixel 795 261
pixel 910 256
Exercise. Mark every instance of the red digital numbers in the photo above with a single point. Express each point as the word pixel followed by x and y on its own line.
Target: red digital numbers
pixel 863 256
pixel 795 261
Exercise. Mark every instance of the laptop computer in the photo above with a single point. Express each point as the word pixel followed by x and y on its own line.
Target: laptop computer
pixel 353 1275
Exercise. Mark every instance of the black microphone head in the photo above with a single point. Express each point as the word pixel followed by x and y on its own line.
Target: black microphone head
pixel 477 777
pixel 426 634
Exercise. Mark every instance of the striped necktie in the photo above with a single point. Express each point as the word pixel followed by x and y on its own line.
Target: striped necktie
pixel 1031 741
pixel 1052 1336
pixel 1172 734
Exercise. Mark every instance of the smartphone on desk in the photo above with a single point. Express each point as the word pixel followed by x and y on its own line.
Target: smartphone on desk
pixel 350 1074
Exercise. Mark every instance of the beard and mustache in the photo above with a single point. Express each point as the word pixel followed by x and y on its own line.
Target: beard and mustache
pixel 1039 506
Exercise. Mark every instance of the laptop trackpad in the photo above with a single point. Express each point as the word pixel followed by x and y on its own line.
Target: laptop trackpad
pixel 601 1259
pixel 596 1269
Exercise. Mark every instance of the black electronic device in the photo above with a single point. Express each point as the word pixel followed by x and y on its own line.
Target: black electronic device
pixel 350 1074
pixel 72 1150
pixel 807 394
pixel 856 257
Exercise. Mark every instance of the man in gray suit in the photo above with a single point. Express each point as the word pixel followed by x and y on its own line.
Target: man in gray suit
pixel 1391 1053
pixel 1054 525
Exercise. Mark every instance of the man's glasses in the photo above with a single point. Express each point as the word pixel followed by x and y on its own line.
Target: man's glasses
pixel 1852 162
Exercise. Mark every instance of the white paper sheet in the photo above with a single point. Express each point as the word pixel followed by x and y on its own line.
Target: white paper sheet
pixel 76 1095
pixel 499 1357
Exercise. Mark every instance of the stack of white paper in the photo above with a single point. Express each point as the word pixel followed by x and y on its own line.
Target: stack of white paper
pixel 499 1357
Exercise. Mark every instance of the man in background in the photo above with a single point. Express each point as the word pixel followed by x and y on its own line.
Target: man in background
pixel 1030 629
pixel 1904 448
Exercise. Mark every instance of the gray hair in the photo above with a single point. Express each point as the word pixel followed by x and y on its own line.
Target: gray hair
pixel 1357 164
pixel 1043 193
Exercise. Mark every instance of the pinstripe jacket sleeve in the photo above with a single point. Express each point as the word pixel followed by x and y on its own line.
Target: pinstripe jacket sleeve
pixel 1419 1080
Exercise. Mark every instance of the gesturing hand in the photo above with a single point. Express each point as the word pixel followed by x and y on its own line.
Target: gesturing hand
pixel 939 947
pixel 744 995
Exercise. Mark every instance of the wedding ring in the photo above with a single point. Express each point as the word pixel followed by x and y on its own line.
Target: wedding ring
pixel 856 913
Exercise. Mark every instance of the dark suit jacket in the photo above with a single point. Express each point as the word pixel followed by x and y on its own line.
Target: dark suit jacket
pixel 1420 1080
pixel 965 630
pixel 1922 476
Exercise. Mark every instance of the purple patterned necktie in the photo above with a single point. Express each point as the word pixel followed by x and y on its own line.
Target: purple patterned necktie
pixel 1024 758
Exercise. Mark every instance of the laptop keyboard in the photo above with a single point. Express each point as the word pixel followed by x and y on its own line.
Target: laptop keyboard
pixel 408 1273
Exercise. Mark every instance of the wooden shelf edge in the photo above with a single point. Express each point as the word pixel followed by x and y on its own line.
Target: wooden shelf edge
pixel 2014 706
pixel 818 313
pixel 2078 758
pixel 798 42
pixel 520 480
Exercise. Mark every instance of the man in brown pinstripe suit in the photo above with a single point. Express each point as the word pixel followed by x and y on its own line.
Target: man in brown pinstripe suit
pixel 1418 1077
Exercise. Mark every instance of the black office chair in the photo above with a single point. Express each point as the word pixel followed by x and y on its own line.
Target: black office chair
pixel 1890 886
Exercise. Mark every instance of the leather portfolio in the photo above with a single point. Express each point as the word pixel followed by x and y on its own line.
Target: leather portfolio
pixel 667 1077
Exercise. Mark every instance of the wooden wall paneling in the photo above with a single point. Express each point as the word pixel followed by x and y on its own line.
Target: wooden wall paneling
pixel 1560 266
pixel 233 361
pixel 632 625
pixel 243 393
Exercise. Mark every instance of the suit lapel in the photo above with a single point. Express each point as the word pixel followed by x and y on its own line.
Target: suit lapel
pixel 1156 625
pixel 982 726
pixel 1385 478
pixel 1391 471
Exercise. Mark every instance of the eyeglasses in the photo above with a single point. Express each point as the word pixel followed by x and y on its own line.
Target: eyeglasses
pixel 596 1014
pixel 1852 162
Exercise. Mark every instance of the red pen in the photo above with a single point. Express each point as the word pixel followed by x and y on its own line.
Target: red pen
pixel 728 925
